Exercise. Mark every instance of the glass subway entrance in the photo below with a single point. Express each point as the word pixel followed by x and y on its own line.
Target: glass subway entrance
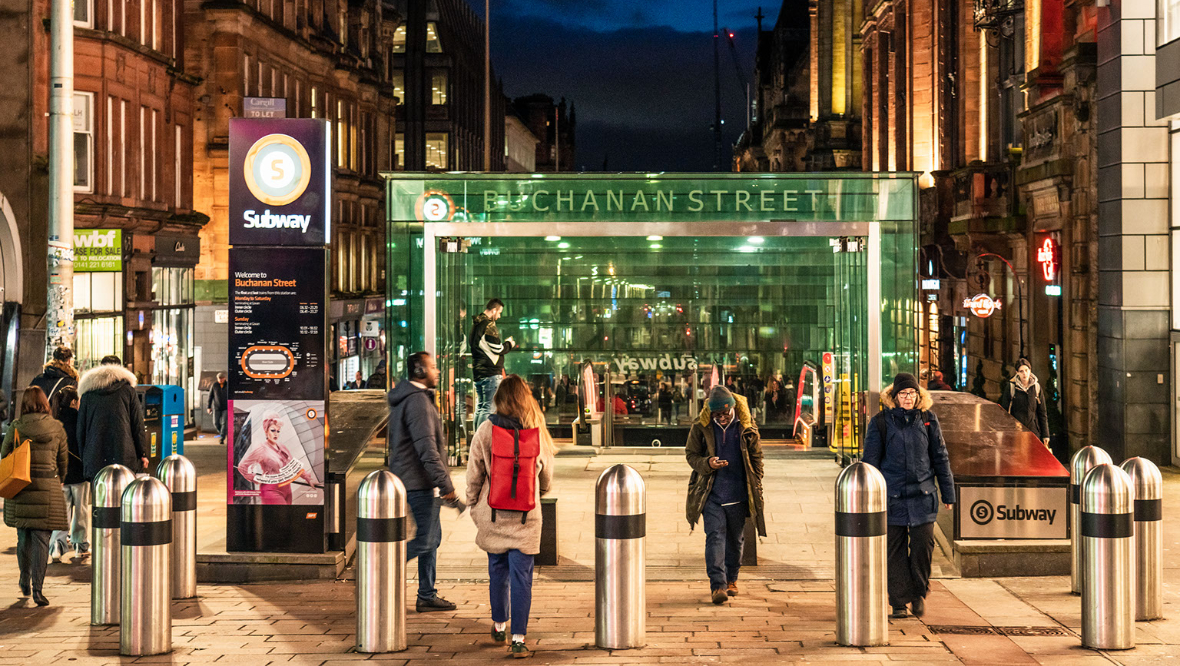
pixel 632 315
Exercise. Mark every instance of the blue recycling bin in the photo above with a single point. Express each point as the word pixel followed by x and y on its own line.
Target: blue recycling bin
pixel 171 419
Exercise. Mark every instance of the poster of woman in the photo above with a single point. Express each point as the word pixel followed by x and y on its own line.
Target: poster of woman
pixel 277 452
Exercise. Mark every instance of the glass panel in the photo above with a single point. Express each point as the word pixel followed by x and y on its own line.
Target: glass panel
pixel 438 86
pixel 82 292
pixel 432 43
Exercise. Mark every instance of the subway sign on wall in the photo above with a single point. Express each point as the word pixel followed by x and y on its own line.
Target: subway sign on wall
pixel 280 174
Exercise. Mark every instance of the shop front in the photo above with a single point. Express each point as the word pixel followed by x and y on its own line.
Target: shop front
pixel 98 295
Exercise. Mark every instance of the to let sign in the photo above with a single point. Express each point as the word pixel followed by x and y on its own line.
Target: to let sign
pixel 264 107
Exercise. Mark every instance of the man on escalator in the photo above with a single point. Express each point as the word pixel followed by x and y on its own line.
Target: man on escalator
pixel 487 357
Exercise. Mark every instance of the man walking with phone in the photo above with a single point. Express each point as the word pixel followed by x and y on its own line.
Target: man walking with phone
pixel 487 358
pixel 725 453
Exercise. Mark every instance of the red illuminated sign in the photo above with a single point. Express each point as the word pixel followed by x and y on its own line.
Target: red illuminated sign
pixel 1047 257
pixel 982 305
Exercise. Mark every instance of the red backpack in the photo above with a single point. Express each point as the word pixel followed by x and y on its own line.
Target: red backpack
pixel 513 471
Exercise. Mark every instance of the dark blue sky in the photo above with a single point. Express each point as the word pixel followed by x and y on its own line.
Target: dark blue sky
pixel 640 73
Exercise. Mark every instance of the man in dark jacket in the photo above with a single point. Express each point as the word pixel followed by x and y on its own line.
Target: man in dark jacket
pixel 379 377
pixel 905 443
pixel 110 419
pixel 1022 398
pixel 725 453
pixel 487 357
pixel 417 454
pixel 219 406
pixel 57 373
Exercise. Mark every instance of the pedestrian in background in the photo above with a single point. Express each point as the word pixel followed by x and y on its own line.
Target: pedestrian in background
pixel 40 508
pixel 218 406
pixel 358 383
pixel 905 442
pixel 511 538
pixel 75 488
pixel 110 419
pixel 938 383
pixel 487 357
pixel 417 451
pixel 1022 398
pixel 725 452
pixel 57 373
pixel 379 378
pixel 664 400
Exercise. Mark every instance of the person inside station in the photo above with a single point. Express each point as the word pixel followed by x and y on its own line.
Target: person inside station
pixel 938 383
pixel 1023 398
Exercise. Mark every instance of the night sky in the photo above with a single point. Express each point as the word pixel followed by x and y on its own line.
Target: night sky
pixel 640 73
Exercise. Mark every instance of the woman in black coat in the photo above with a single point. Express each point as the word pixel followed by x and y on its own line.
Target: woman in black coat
pixel 905 442
pixel 1022 397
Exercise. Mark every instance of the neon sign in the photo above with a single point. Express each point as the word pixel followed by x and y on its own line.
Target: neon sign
pixel 982 305
pixel 1047 256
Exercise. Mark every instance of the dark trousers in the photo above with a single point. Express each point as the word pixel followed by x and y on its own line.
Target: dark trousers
pixel 424 506
pixel 221 422
pixel 724 538
pixel 910 553
pixel 32 556
pixel 511 572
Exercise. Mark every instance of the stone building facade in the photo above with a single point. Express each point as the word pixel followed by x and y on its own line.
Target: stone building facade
pixel 555 128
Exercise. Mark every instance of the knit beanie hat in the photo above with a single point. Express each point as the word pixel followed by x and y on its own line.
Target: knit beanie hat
pixel 903 381
pixel 720 398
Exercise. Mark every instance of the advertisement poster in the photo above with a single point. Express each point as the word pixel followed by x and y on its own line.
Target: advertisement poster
pixel 280 192
pixel 98 250
pixel 276 452
pixel 277 323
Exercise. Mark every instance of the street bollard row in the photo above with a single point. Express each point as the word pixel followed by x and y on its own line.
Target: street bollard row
pixel 144 542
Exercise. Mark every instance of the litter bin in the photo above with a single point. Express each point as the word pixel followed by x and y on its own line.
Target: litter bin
pixel 171 420
pixel 151 399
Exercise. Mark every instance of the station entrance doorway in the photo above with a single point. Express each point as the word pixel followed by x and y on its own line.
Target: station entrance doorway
pixel 630 296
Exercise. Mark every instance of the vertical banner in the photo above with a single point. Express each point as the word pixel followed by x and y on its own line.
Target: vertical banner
pixel 276 459
pixel 829 387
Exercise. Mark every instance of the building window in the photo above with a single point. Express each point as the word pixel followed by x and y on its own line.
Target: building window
pixel 398 79
pixel 438 86
pixel 246 75
pixel 399 151
pixel 143 152
pixel 314 113
pixel 110 146
pixel 399 39
pixel 1167 26
pixel 172 286
pixel 84 13
pixel 98 292
pixel 341 136
pixel 155 25
pixel 123 190
pixel 298 106
pixel 154 151
pixel 178 153
pixel 433 45
pixel 142 21
pixel 436 150
pixel 97 337
pixel 83 142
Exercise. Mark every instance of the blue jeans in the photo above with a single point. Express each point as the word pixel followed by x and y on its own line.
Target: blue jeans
pixel 724 538
pixel 424 506
pixel 484 390
pixel 514 570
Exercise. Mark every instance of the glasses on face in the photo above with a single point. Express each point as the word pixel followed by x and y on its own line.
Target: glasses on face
pixel 724 417
pixel 908 393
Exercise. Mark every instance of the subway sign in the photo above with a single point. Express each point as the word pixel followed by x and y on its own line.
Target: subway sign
pixel 1004 512
pixel 280 189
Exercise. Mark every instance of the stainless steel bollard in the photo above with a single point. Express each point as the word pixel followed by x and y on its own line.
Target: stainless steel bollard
pixel 180 477
pixel 108 486
pixel 145 626
pixel 1148 485
pixel 381 564
pixel 1108 565
pixel 1081 463
pixel 862 600
pixel 620 528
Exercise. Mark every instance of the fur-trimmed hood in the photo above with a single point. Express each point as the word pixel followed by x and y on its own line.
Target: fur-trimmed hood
pixel 61 367
pixel 925 401
pixel 740 406
pixel 1032 381
pixel 105 379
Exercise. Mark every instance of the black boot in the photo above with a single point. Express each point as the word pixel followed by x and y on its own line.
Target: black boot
pixel 39 598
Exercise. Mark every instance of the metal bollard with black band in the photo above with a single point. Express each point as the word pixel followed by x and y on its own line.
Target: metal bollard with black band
pixel 145 626
pixel 108 485
pixel 1081 463
pixel 1148 485
pixel 620 530
pixel 861 557
pixel 381 563
pixel 180 477
pixel 1108 565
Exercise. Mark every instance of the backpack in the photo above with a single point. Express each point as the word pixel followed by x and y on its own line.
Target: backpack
pixel 512 475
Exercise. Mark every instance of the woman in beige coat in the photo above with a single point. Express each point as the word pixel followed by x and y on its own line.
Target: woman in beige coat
pixel 511 538
pixel 40 508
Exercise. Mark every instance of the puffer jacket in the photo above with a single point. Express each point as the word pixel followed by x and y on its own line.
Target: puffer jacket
pixel 1027 404
pixel 702 445
pixel 506 531
pixel 110 420
pixel 41 505
pixel 911 456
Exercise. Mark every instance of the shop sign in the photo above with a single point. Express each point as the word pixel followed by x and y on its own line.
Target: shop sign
pixel 177 251
pixel 982 305
pixel 931 284
pixel 370 328
pixel 98 250
pixel 279 182
pixel 666 362
pixel 1047 258
pixel 373 306
pixel 1004 512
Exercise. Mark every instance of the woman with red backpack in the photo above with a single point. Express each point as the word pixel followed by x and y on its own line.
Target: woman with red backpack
pixel 510 467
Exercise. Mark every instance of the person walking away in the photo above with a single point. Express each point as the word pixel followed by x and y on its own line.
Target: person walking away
pixel 508 529
pixel 40 508
pixel 416 456
pixel 218 406
pixel 905 443
pixel 57 373
pixel 1022 398
pixel 110 419
pixel 725 452
pixel 938 383
pixel 665 402
pixel 378 379
pixel 487 357
pixel 75 489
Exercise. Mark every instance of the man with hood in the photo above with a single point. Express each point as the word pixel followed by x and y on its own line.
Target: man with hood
pixel 417 455
pixel 110 419
pixel 1022 398
pixel 58 372
pixel 378 379
pixel 487 357
pixel 725 452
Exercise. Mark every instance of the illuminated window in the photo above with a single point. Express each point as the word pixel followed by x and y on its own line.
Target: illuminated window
pixel 399 151
pixel 83 142
pixel 399 39
pixel 341 136
pixel 433 45
pixel 438 86
pixel 436 150
pixel 398 79
pixel 314 111
pixel 1168 21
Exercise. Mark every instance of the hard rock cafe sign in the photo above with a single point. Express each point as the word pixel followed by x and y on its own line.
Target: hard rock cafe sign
pixel 982 305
